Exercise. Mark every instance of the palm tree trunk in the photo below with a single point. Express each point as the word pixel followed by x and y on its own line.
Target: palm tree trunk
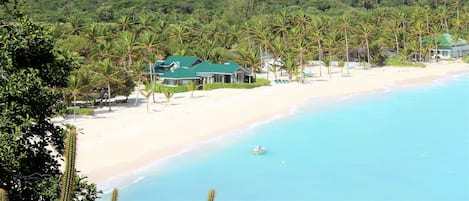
pixel 319 57
pixel 346 53
pixel 138 87
pixel 302 67
pixel 74 108
pixel 420 47
pixel 367 52
pixel 397 43
pixel 109 94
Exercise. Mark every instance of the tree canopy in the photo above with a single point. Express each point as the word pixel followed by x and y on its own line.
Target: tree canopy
pixel 31 146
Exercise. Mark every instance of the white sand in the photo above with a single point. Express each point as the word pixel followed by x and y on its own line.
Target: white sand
pixel 129 138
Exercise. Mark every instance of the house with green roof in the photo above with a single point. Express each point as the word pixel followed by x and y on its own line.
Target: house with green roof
pixel 180 70
pixel 448 47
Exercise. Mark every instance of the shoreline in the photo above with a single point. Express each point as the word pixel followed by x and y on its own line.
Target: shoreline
pixel 129 140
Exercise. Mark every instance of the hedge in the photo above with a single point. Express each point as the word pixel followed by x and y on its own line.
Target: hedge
pixel 258 83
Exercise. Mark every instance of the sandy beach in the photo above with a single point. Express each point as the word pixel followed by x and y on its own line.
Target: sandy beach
pixel 128 138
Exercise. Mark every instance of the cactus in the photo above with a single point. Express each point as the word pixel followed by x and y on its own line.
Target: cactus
pixel 114 194
pixel 211 195
pixel 3 195
pixel 68 178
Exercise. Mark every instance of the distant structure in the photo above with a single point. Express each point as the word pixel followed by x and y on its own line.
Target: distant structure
pixel 448 47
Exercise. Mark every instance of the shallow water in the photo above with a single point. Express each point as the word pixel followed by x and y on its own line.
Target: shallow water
pixel 408 143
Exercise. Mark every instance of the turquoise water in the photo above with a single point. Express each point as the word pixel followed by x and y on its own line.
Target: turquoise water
pixel 405 144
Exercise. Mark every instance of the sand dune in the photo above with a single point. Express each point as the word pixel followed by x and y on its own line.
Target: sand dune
pixel 128 138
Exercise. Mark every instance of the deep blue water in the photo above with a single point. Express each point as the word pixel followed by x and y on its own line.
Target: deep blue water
pixel 405 144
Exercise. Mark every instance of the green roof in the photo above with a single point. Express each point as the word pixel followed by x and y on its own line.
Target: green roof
pixel 180 73
pixel 182 61
pixel 226 68
pixel 446 40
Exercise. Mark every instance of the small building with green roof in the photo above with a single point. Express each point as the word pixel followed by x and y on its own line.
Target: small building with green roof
pixel 180 70
pixel 448 47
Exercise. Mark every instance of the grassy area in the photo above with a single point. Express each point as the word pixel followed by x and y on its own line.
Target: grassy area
pixel 465 59
pixel 397 60
pixel 81 111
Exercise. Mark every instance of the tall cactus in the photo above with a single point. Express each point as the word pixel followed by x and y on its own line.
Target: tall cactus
pixel 114 194
pixel 68 178
pixel 211 195
pixel 3 194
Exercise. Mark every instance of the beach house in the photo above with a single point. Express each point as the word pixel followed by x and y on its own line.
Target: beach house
pixel 180 70
pixel 449 47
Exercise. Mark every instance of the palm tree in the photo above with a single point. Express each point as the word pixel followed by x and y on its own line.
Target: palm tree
pixel 145 21
pixel 248 56
pixel 128 40
pixel 280 26
pixel 102 50
pixel 289 65
pixel 178 32
pixel 77 24
pixel 147 93
pixel 125 23
pixel 344 26
pixel 138 71
pixel 93 32
pixel 319 27
pixel 300 45
pixel 168 94
pixel 148 43
pixel 74 87
pixel 365 32
pixel 419 29
pixel 107 73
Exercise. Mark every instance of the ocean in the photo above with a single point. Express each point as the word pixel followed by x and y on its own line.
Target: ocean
pixel 403 143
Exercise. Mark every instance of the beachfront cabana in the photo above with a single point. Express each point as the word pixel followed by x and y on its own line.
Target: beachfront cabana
pixel 448 47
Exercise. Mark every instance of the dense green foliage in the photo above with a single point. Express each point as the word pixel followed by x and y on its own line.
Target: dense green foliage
pixel 259 82
pixel 31 73
pixel 96 50
pixel 397 60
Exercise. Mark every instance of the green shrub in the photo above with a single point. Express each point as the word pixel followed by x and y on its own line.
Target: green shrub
pixel 398 60
pixel 81 111
pixel 465 58
pixel 450 59
pixel 258 83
